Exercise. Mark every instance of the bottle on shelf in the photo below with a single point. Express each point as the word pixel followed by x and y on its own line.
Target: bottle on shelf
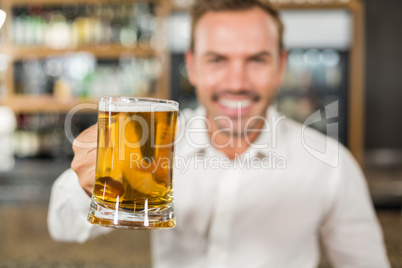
pixel 61 27
pixel 80 75
pixel 42 135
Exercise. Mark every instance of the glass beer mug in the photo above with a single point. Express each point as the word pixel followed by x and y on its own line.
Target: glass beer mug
pixel 133 181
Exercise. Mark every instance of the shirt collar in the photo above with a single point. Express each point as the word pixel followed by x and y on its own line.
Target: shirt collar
pixel 194 139
pixel 270 140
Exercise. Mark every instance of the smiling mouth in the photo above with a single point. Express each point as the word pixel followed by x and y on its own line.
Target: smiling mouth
pixel 236 100
pixel 234 104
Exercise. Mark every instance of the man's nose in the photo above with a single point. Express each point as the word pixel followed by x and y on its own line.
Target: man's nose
pixel 237 77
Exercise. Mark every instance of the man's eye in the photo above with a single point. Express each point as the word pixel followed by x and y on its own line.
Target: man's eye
pixel 215 60
pixel 259 60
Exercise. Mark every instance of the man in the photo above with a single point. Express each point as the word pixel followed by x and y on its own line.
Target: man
pixel 268 200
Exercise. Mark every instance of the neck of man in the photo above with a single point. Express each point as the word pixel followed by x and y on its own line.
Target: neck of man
pixel 232 143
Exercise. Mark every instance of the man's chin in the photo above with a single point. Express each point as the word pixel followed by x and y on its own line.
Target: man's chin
pixel 236 129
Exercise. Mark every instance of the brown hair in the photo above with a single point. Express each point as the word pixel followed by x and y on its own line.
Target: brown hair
pixel 201 7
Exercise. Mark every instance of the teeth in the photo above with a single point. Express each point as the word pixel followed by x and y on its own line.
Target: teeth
pixel 233 104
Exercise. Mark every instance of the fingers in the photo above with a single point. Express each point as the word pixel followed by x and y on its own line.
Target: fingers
pixel 84 160
pixel 87 139
pixel 85 170
pixel 84 167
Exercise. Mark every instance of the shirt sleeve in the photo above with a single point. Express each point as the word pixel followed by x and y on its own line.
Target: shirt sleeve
pixel 68 211
pixel 351 232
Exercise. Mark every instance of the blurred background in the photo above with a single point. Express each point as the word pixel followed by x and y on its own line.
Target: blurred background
pixel 56 55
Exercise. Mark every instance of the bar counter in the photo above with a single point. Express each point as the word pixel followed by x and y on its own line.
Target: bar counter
pixel 25 241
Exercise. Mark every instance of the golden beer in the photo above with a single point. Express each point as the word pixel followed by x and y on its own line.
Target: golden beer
pixel 133 178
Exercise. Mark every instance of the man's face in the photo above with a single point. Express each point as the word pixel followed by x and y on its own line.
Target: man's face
pixel 236 66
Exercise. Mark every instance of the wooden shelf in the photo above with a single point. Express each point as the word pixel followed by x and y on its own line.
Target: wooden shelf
pixel 101 52
pixel 21 103
pixel 48 103
pixel 44 103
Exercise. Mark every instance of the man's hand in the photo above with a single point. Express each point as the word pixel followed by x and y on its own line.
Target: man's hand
pixel 84 161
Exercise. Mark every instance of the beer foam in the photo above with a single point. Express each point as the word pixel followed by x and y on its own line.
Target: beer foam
pixel 137 107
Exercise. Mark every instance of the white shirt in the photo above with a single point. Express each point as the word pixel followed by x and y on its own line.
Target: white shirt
pixel 268 208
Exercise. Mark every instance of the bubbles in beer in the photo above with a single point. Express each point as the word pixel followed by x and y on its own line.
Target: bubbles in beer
pixel 135 158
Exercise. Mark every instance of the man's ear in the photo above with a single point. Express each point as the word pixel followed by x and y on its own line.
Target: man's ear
pixel 189 57
pixel 282 67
